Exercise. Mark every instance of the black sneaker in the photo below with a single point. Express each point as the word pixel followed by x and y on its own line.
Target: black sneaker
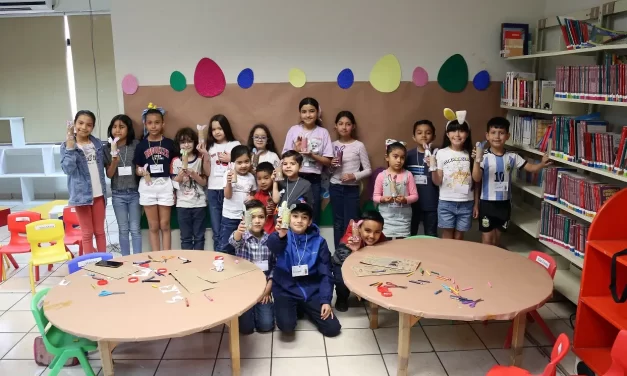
pixel 341 305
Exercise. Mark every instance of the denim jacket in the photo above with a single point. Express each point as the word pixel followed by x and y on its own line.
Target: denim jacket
pixel 74 164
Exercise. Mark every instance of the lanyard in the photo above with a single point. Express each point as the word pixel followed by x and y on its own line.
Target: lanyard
pixel 300 257
pixel 287 193
pixel 154 157
pixel 125 153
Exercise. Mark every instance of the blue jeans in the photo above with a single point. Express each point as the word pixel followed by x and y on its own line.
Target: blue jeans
pixel 345 205
pixel 286 309
pixel 455 215
pixel 192 226
pixel 260 317
pixel 227 227
pixel 216 199
pixel 316 186
pixel 128 214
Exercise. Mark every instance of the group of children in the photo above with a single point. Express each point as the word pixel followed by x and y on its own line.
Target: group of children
pixel 251 193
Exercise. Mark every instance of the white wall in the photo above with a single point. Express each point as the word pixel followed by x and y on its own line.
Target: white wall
pixel 152 38
pixel 71 6
pixel 563 7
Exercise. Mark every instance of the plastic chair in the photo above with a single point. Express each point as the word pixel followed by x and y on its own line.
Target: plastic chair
pixel 18 244
pixel 619 357
pixel 560 349
pixel 79 262
pixel 422 237
pixel 549 264
pixel 58 343
pixel 73 235
pixel 41 232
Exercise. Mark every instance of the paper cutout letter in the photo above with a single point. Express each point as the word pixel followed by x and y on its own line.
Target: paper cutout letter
pixel 246 78
pixel 297 77
pixel 481 80
pixel 178 82
pixel 346 78
pixel 453 74
pixel 420 77
pixel 209 79
pixel 385 76
pixel 129 84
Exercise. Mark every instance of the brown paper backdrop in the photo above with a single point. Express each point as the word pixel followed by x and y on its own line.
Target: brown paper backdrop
pixel 379 115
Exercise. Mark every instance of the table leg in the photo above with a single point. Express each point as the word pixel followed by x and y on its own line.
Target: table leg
pixel 405 322
pixel 518 339
pixel 234 346
pixel 374 316
pixel 105 348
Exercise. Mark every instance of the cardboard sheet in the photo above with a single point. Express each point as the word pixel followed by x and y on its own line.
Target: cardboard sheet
pixel 115 273
pixel 403 265
pixel 364 270
pixel 190 280
pixel 230 271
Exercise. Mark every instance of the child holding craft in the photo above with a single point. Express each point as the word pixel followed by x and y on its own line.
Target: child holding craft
pixel 261 144
pixel 220 143
pixel 250 243
pixel 153 156
pixel 350 164
pixel 395 191
pixel 302 277
pixel 313 142
pixel 451 169
pixel 118 160
pixel 189 181
pixel 493 168
pixel 292 189
pixel 424 210
pixel 82 161
pixel 239 185
pixel 367 231
pixel 264 174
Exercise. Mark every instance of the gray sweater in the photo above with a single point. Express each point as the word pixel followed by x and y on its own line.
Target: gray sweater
pixel 295 191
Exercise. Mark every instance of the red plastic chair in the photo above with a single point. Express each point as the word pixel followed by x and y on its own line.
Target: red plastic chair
pixel 549 264
pixel 619 356
pixel 72 234
pixel 560 349
pixel 17 227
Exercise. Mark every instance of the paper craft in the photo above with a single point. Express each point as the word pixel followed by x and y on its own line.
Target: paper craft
pixel 369 270
pixel 209 79
pixel 129 84
pixel 481 80
pixel 203 130
pixel 420 77
pixel 178 82
pixel 405 265
pixel 385 75
pixel 115 273
pixel 346 78
pixel 248 218
pixel 189 280
pixel 297 77
pixel 230 270
pixel 185 158
pixel 147 176
pixel 246 78
pixel 453 74
pixel 286 214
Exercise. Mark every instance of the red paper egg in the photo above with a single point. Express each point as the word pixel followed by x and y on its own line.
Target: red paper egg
pixel 209 79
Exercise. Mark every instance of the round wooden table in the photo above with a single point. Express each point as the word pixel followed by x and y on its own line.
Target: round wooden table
pixel 509 285
pixel 142 313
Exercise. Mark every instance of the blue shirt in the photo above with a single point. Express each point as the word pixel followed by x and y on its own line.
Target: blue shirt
pixel 428 194
pixel 155 153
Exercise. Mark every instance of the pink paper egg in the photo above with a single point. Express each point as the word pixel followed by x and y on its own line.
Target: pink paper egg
pixel 420 77
pixel 129 84
pixel 209 79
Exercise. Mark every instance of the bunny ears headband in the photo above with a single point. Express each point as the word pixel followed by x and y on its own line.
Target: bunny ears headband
pixel 151 106
pixel 391 141
pixel 451 115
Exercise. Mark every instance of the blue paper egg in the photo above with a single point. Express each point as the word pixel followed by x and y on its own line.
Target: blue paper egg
pixel 346 78
pixel 481 80
pixel 246 78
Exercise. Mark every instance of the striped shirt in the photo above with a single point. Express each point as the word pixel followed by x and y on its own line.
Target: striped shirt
pixel 253 249
pixel 497 174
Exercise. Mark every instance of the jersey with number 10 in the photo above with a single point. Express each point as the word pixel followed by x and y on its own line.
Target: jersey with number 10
pixel 497 174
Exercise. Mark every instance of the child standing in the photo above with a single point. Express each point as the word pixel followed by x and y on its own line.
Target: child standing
pixel 220 143
pixel 118 160
pixel 82 161
pixel 457 205
pixel 350 165
pixel 370 228
pixel 250 244
pixel 261 145
pixel 395 191
pixel 293 189
pixel 495 167
pixel 425 210
pixel 239 185
pixel 264 174
pixel 302 277
pixel 311 140
pixel 152 157
pixel 189 181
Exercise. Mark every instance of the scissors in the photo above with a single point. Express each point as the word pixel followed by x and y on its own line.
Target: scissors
pixel 107 293
pixel 161 272
pixel 384 291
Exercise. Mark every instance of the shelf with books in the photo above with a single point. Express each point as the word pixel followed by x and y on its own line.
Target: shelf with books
pixel 558 157
pixel 534 110
pixel 580 51
pixel 528 187
pixel 590 101
pixel 528 149
pixel 568 255
pixel 568 210
pixel 558 108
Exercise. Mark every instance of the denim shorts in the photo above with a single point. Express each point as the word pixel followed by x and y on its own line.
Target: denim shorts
pixel 455 215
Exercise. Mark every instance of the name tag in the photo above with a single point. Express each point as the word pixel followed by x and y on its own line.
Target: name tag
pixel 420 179
pixel 263 265
pixel 501 187
pixel 300 271
pixel 125 171
pixel 156 169
pixel 461 188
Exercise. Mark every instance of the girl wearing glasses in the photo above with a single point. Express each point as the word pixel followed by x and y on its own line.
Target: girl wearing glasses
pixel 261 143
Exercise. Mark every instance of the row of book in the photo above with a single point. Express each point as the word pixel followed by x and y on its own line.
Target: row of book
pixel 580 34
pixel 579 193
pixel 592 82
pixel 521 89
pixel 536 178
pixel 530 131
pixel 562 230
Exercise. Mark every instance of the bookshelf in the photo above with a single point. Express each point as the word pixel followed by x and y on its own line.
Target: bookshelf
pixel 579 51
pixel 599 318
pixel 558 108
pixel 589 101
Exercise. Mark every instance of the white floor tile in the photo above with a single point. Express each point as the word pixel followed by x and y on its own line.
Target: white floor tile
pixel 126 367
pixel 249 367
pixel 195 346
pixel 189 367
pixel 563 310
pixel 77 370
pixel 453 338
pixel 255 345
pixel 21 367
pixel 16 322
pixel 493 334
pixel 300 366
pixel 141 350
pixel 8 300
pixel 300 344
pixel 425 364
pixel 8 341
pixel 388 340
pixel 23 349
pixel 467 363
pixel 354 318
pixel 556 326
pixel 352 342
pixel 366 365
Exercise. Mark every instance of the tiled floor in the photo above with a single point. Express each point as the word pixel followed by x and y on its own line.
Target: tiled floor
pixel 438 347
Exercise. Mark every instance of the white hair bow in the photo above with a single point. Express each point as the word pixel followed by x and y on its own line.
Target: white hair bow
pixel 390 141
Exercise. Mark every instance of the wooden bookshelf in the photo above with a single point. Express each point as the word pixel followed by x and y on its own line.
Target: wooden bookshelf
pixel 559 108
pixel 599 318
pixel 534 190
pixel 589 101
pixel 579 51
pixel 565 253
pixel 570 211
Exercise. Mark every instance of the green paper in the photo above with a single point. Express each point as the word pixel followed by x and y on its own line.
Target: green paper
pixel 178 81
pixel 453 74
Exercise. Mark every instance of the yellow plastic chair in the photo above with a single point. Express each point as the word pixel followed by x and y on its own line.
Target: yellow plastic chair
pixel 50 232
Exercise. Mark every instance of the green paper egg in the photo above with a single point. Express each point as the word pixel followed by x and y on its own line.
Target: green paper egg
pixel 178 81
pixel 453 74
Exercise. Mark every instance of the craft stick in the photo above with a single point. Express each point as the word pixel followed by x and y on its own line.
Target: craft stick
pixel 489 284
pixel 467 288
pixel 437 292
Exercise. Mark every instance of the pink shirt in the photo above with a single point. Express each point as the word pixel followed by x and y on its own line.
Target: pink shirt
pixel 354 159
pixel 410 187
pixel 319 142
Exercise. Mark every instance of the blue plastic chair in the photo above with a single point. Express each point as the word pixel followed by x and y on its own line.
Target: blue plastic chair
pixel 77 263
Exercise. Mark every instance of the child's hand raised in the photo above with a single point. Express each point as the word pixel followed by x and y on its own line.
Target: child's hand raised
pixel 202 150
pixel 69 136
pixel 270 207
pixel 241 228
pixel 353 244
pixel 280 230
pixel 229 177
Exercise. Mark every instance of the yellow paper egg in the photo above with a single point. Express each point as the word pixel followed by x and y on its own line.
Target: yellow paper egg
pixel 297 77
pixel 385 75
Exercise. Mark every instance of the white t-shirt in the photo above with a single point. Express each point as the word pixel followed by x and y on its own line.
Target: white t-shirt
pixel 90 153
pixel 271 157
pixel 456 180
pixel 219 169
pixel 233 208
pixel 189 194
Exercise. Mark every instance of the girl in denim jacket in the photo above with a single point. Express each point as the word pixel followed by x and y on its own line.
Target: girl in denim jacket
pixel 82 162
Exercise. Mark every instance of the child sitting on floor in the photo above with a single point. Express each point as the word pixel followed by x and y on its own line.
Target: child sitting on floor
pixel 302 276
pixel 370 232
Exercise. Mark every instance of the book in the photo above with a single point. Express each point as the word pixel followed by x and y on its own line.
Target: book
pixel 581 34
pixel 529 131
pixel 606 82
pixel 563 231
pixel 514 39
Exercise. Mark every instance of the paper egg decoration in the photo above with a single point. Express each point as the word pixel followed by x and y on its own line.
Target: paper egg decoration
pixel 129 84
pixel 178 82
pixel 385 75
pixel 420 77
pixel 246 78
pixel 453 74
pixel 346 78
pixel 481 80
pixel 209 79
